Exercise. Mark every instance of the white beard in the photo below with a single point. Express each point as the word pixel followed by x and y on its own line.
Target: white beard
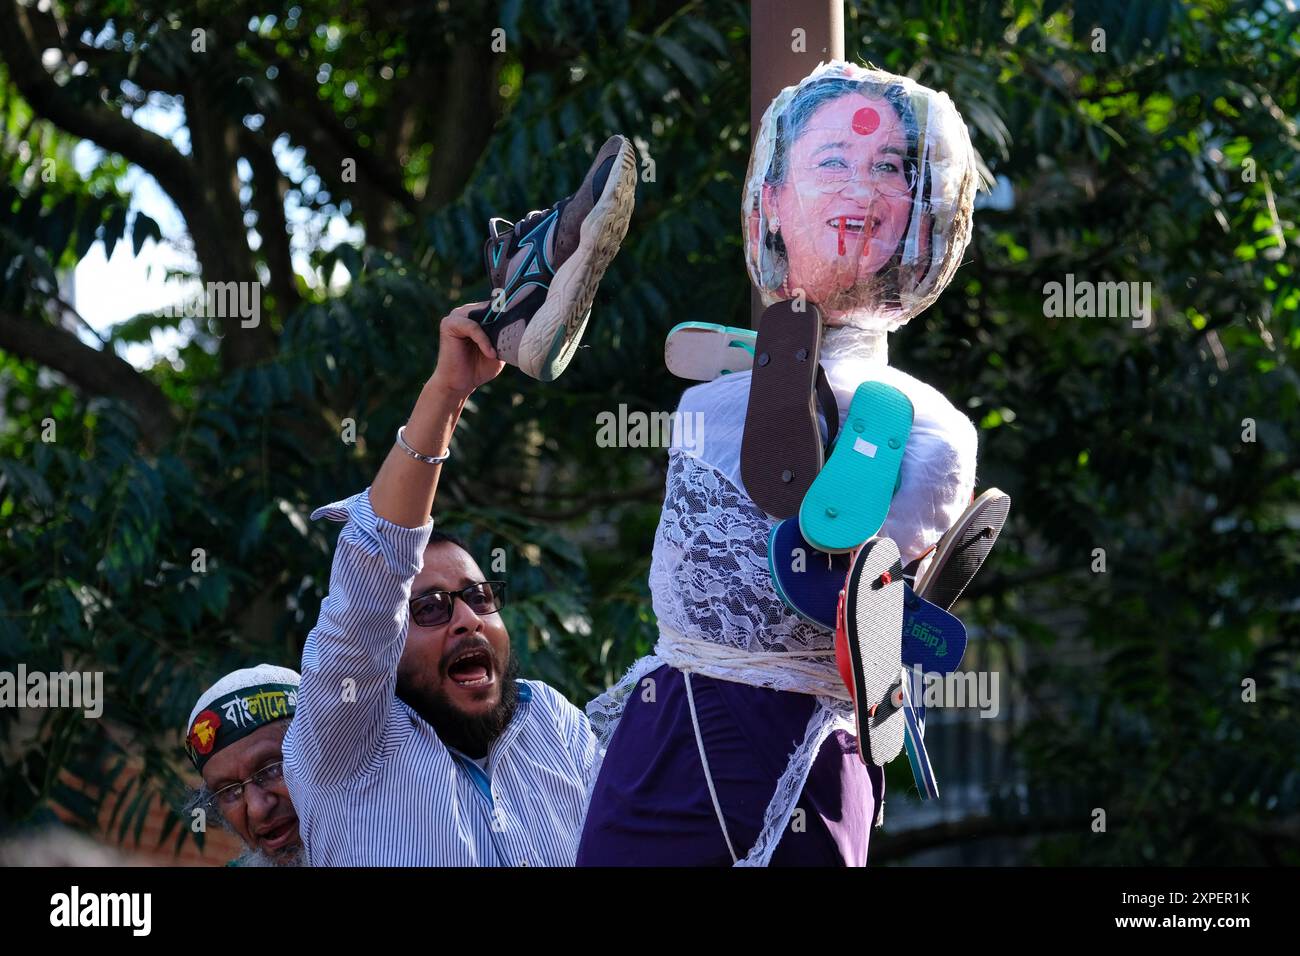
pixel 295 857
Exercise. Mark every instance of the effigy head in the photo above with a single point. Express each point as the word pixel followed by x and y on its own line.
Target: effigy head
pixel 859 196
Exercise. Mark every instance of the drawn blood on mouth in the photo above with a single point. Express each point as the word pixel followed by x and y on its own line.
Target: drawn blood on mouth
pixel 843 222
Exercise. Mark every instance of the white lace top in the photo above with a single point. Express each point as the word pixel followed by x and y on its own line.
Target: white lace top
pixel 709 571
pixel 718 611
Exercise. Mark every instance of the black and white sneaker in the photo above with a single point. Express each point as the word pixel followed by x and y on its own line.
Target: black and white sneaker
pixel 546 267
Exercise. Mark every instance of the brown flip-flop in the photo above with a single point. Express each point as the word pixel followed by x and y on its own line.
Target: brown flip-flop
pixel 781 450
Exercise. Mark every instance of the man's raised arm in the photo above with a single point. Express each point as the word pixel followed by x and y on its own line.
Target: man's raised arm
pixel 349 664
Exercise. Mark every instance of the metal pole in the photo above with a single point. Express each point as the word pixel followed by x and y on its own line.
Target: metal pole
pixel 787 39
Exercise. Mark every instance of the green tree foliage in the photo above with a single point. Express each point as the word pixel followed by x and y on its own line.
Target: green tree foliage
pixel 1163 159
pixel 1162 154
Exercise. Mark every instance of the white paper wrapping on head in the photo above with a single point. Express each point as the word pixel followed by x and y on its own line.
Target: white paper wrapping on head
pixel 888 161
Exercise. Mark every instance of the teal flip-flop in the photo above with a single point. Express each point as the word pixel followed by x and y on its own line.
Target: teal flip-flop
pixel 849 499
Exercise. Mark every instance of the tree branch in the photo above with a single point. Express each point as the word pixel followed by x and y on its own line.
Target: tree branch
pixel 110 130
pixel 94 371
pixel 469 103
pixel 223 246
pixel 371 199
pixel 378 192
pixel 214 224
pixel 269 191
pixel 322 126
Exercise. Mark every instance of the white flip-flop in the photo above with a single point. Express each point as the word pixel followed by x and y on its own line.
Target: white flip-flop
pixel 703 351
pixel 871 636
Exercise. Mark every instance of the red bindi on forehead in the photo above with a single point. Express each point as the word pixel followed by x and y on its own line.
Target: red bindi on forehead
pixel 866 121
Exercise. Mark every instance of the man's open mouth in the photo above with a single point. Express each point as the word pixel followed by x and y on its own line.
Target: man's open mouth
pixel 471 668
pixel 278 834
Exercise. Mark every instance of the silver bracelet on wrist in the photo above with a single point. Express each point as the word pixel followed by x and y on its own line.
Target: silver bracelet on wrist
pixel 401 443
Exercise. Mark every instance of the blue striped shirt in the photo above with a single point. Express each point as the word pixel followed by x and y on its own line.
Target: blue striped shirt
pixel 372 783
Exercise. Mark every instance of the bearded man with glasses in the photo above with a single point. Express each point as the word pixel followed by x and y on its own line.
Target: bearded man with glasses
pixel 415 743
pixel 235 738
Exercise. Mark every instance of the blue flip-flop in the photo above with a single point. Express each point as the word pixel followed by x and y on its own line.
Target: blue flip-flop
pixel 932 637
pixel 914 742
pixel 808 581
pixel 850 497
pixel 934 641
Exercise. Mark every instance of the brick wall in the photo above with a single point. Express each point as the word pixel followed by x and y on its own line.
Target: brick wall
pixel 219 846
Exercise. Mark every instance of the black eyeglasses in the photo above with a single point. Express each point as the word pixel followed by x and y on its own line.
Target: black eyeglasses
pixel 433 608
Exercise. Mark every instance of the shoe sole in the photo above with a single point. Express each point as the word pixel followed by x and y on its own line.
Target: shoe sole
pixel 873 616
pixel 811 593
pixel 551 337
pixel 945 580
pixel 781 445
pixel 702 351
pixel 850 498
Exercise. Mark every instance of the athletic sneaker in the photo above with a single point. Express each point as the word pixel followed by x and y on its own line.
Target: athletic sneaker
pixel 545 268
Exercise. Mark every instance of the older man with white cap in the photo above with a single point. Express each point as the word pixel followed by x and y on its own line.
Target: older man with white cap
pixel 235 736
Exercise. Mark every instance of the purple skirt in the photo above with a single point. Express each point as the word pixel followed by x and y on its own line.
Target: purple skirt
pixel 651 803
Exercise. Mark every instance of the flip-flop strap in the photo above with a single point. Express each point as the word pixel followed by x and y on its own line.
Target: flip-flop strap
pixel 914 738
pixel 913 566
pixel 895 570
pixel 830 407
